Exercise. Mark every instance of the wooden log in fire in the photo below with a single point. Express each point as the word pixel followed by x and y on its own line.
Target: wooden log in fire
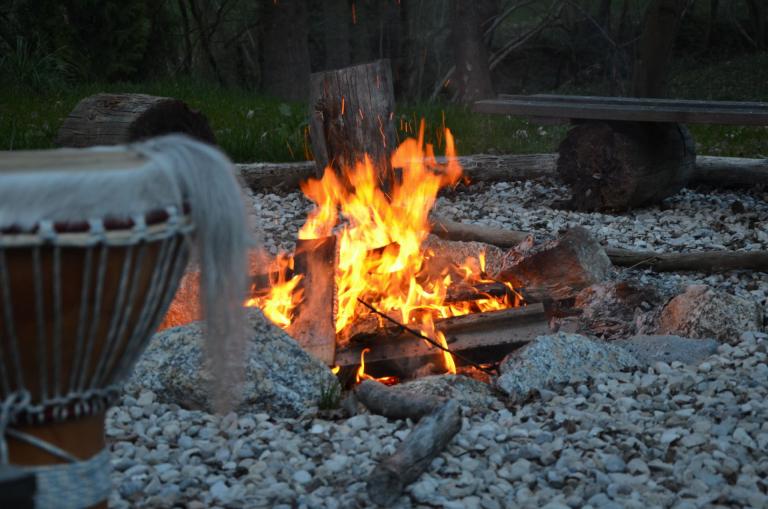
pixel 557 269
pixel 396 404
pixel 481 336
pixel 351 114
pixel 701 261
pixel 427 439
pixel 313 322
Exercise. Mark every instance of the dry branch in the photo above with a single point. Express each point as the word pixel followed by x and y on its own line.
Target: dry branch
pixel 701 261
pixel 396 403
pixel 428 439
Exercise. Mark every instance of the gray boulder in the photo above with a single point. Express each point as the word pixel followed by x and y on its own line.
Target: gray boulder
pixel 652 349
pixel 280 377
pixel 703 312
pixel 559 358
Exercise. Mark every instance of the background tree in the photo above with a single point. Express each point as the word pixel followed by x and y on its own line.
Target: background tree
pixel 472 75
pixel 285 50
pixel 662 19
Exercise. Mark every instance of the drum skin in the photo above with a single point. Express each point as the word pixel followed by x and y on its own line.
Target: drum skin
pixel 81 436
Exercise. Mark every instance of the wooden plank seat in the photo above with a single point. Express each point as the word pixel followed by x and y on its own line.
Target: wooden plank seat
pixel 625 152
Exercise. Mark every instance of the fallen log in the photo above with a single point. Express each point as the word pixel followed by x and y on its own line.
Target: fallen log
pixel 427 440
pixel 700 261
pixel 395 403
pixel 115 119
pixel 709 170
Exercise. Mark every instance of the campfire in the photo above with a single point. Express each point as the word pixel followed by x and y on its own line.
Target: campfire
pixel 365 267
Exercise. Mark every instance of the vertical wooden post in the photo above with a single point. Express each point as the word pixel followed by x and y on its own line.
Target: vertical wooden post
pixel 352 114
pixel 313 325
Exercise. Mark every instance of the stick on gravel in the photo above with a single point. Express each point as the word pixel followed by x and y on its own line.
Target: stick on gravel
pixel 394 403
pixel 428 439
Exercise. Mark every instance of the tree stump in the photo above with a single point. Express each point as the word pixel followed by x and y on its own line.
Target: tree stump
pixel 616 166
pixel 351 114
pixel 114 119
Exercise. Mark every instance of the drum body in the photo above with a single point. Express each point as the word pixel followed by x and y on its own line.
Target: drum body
pixel 78 303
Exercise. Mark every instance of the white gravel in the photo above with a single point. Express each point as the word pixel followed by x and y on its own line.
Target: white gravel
pixel 666 436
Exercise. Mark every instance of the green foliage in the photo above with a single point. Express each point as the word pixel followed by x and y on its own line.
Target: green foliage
pixel 28 66
pixel 330 395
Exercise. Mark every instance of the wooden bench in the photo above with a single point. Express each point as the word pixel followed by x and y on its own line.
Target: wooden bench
pixel 625 152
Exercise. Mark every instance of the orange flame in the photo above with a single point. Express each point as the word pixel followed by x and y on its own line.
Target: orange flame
pixel 379 238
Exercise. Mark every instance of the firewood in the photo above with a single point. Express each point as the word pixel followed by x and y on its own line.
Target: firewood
pixel 700 261
pixel 313 322
pixel 427 440
pixel 114 119
pixel 477 335
pixel 557 269
pixel 394 402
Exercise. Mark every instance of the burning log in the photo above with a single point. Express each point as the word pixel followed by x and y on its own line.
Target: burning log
pixel 313 322
pixel 428 439
pixel 557 269
pixel 701 261
pixel 482 336
pixel 394 403
pixel 351 112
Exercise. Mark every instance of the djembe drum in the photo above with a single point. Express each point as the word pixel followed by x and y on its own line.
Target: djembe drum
pixel 93 244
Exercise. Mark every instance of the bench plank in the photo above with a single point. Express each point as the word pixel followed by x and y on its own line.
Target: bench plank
pixel 628 109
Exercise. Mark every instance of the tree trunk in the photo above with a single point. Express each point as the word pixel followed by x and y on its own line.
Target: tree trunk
pixel 615 166
pixel 351 114
pixel 662 18
pixel 757 10
pixel 337 16
pixel 114 119
pixel 285 66
pixel 472 77
pixel 712 22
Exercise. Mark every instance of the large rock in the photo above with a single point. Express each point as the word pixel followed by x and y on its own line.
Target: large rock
pixel 559 358
pixel 281 378
pixel 652 349
pixel 703 312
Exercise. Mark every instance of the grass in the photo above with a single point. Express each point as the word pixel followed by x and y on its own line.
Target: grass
pixel 250 127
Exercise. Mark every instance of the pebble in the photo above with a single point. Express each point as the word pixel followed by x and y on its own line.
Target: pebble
pixel 622 440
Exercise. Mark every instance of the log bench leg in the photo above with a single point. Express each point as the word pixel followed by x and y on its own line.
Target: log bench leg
pixel 616 166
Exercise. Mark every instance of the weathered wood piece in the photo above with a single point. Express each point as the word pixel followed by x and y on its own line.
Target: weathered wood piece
pixel 351 114
pixel 396 404
pixel 701 261
pixel 313 323
pixel 627 109
pixel 428 439
pixel 710 170
pixel 114 119
pixel 730 171
pixel 616 166
pixel 453 230
pixel 558 268
pixel 473 333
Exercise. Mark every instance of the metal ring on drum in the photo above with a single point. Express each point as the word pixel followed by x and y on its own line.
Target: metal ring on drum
pixel 85 282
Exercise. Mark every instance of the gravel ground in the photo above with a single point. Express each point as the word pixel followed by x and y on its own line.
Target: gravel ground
pixel 665 436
